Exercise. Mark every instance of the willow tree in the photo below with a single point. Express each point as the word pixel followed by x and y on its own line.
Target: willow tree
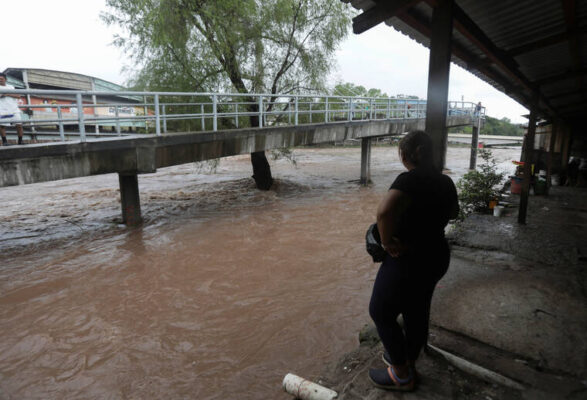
pixel 251 46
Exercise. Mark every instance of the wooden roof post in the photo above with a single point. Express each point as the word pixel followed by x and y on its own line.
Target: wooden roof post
pixel 528 160
pixel 438 75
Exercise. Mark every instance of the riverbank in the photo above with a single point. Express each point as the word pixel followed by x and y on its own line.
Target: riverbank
pixel 513 305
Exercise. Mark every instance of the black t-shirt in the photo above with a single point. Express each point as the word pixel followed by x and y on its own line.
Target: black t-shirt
pixel 432 197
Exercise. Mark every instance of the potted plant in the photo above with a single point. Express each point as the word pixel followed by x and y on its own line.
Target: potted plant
pixel 479 188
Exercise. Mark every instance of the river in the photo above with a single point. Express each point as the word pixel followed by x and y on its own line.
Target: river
pixel 222 291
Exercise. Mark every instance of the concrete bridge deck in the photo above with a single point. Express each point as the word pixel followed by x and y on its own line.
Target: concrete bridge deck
pixel 139 154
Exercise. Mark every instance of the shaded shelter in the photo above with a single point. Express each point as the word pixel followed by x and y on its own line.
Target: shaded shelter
pixel 533 51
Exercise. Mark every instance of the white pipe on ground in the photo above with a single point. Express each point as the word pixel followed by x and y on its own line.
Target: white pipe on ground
pixel 305 390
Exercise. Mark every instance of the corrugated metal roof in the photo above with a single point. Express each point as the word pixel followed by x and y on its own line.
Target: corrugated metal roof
pixel 538 34
pixel 513 23
pixel 46 78
pixel 559 60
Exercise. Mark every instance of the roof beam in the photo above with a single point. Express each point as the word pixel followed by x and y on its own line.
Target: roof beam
pixel 570 10
pixel 548 41
pixel 561 77
pixel 570 103
pixel 473 33
pixel 579 106
pixel 382 11
pixel 481 64
pixel 468 28
pixel 567 94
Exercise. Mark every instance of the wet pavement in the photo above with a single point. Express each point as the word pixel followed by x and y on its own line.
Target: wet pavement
pixel 514 303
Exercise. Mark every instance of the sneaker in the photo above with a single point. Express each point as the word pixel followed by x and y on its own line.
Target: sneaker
pixel 387 360
pixel 387 379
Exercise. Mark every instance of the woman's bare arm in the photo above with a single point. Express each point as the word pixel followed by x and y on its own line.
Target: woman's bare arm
pixel 389 216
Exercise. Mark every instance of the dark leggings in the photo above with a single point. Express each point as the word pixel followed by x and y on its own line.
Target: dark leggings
pixel 404 286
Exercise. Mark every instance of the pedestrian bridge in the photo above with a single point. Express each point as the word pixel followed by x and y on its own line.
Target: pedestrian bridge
pixel 228 124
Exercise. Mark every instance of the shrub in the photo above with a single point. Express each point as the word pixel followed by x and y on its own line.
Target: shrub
pixel 480 186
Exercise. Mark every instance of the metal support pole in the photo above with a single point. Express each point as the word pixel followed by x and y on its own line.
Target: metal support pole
pixel 405 109
pixel 438 75
pixel 97 126
pixel 388 108
pixel 80 117
pixel 94 101
pixel 236 114
pixel 60 118
pixel 260 111
pixel 326 113
pixel 117 116
pixel 365 161
pixel 202 114
pixel 146 111
pixel 296 114
pixel 370 108
pixel 475 144
pixel 25 79
pixel 163 114
pixel 350 108
pixel 310 112
pixel 528 159
pixel 215 112
pixel 157 116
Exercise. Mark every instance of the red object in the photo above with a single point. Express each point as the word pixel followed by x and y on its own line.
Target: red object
pixel 480 145
pixel 516 187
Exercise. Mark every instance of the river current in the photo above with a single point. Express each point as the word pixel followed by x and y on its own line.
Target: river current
pixel 222 291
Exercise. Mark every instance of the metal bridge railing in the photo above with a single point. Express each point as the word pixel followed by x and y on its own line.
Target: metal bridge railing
pixel 162 112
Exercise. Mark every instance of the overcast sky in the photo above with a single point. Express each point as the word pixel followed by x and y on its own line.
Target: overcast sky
pixel 68 35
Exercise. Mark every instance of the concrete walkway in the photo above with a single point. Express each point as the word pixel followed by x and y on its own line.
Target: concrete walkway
pixel 512 309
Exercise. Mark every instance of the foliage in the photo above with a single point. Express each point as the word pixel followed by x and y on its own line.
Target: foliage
pixel 493 126
pixel 502 127
pixel 262 46
pixel 480 186
pixel 247 46
pixel 350 89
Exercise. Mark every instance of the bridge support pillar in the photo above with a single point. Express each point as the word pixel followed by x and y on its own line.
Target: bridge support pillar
pixel 365 161
pixel 130 199
pixel 474 146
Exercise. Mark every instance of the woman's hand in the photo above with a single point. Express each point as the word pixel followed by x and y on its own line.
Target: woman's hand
pixel 390 213
pixel 395 248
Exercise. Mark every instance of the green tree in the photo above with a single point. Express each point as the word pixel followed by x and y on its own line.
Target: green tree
pixel 350 89
pixel 262 46
pixel 502 127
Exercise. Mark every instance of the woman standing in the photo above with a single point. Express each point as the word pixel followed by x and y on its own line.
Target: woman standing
pixel 411 219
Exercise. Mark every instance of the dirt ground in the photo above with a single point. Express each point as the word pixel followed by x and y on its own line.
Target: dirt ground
pixel 511 313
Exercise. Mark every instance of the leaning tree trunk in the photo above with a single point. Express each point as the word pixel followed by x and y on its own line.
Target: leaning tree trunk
pixel 261 168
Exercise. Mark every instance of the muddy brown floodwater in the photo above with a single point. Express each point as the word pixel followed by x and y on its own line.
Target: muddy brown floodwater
pixel 220 293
